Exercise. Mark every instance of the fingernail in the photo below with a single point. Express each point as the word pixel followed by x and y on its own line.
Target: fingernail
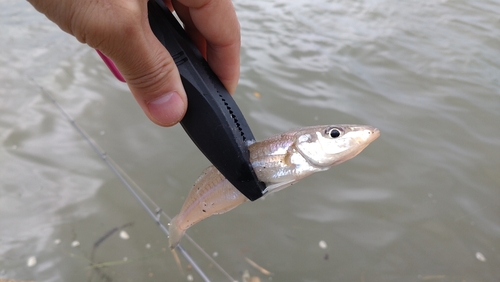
pixel 167 109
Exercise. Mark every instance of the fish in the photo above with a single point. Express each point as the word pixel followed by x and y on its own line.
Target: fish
pixel 279 162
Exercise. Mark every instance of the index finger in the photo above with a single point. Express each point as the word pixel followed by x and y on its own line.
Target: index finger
pixel 216 22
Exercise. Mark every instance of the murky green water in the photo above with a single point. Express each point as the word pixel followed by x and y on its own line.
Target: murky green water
pixel 420 204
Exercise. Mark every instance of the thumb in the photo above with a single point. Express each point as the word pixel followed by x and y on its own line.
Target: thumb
pixel 120 30
pixel 152 77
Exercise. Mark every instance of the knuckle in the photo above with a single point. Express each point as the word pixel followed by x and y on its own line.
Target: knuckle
pixel 151 81
pixel 101 23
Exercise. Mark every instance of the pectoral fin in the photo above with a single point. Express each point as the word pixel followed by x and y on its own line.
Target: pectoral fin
pixel 275 187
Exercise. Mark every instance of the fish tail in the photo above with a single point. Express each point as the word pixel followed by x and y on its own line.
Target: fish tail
pixel 175 233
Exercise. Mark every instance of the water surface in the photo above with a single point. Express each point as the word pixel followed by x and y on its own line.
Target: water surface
pixel 420 204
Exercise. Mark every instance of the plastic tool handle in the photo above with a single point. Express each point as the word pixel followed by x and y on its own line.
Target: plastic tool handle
pixel 213 120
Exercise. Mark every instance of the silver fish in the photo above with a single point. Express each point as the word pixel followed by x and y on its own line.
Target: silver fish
pixel 279 162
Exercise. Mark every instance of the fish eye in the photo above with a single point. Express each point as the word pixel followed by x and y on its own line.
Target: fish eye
pixel 334 132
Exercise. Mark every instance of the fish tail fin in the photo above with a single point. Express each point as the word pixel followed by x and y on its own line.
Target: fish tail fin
pixel 175 233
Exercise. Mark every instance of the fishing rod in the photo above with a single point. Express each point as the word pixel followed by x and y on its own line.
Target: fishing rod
pixel 153 210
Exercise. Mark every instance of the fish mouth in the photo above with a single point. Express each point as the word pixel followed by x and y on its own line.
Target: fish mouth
pixel 372 133
pixel 369 135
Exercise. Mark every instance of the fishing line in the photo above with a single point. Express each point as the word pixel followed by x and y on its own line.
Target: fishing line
pixel 155 212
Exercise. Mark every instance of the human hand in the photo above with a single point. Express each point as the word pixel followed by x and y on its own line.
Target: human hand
pixel 120 30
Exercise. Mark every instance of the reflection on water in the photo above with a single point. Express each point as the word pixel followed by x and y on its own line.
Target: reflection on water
pixel 420 204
